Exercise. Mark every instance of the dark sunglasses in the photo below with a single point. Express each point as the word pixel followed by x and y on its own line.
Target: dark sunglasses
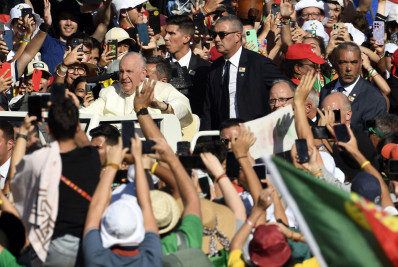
pixel 140 6
pixel 213 34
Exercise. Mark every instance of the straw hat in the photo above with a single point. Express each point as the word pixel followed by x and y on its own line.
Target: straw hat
pixel 218 222
pixel 165 209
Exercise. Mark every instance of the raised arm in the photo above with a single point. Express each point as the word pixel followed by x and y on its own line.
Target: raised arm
pixel 142 188
pixel 35 44
pixel 102 18
pixel 101 197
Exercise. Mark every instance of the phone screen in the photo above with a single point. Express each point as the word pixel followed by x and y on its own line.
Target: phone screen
pixel 232 165
pixel 275 9
pixel 128 131
pixel 192 162
pixel 198 20
pixel 302 150
pixel 57 91
pixel 147 146
pixel 112 46
pixel 34 107
pixel 337 115
pixel 341 133
pixel 183 148
pixel 76 42
pixel 26 11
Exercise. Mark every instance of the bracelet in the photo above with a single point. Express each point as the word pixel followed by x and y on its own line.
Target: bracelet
pixel 167 106
pixel 221 177
pixel 1 202
pixel 26 39
pixel 321 147
pixel 241 157
pixel 374 73
pixel 364 164
pixel 206 10
pixel 317 173
pixel 62 76
pixel 113 165
pixel 154 167
pixel 23 42
pixel 371 72
pixel 62 68
pixel 250 223
pixel 24 136
pixel 203 12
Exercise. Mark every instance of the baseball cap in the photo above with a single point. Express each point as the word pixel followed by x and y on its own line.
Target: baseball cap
pixel 122 223
pixel 125 4
pixel 303 51
pixel 390 151
pixel 367 186
pixel 119 34
pixel 40 65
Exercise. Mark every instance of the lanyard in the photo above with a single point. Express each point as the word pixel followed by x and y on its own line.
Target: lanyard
pixel 76 188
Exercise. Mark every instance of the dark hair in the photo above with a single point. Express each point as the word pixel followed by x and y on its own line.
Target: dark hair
pixel 63 118
pixel 360 21
pixel 8 130
pixel 110 133
pixel 184 23
pixel 96 43
pixel 13 237
pixel 287 67
pixel 217 148
pixel 230 123
pixel 346 46
pixel 386 123
pixel 163 67
pixel 78 80
pixel 87 42
pixel 326 69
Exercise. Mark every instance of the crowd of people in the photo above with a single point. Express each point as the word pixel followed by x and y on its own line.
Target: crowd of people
pixel 75 198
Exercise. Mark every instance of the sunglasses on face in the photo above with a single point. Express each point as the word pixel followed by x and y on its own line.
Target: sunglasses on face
pixel 140 6
pixel 213 34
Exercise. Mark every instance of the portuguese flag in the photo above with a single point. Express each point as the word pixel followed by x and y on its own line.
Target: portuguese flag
pixel 341 229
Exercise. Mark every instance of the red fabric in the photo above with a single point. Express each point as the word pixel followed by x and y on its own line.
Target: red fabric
pixel 384 227
pixel 302 51
pixel 238 188
pixel 394 1
pixel 295 81
pixel 125 253
pixel 214 54
pixel 4 18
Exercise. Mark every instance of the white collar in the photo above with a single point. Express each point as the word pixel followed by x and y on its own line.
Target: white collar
pixel 236 57
pixel 184 61
pixel 5 167
pixel 348 88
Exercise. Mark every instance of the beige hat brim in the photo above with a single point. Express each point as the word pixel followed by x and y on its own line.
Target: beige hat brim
pixel 175 210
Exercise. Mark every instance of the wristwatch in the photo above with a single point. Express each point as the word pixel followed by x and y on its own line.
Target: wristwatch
pixel 143 111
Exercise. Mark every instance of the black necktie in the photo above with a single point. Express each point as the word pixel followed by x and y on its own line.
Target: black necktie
pixel 225 76
pixel 341 89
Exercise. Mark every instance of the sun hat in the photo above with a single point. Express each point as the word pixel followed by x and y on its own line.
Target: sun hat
pixel 318 27
pixel 269 247
pixel 303 51
pixel 122 223
pixel 40 65
pixel 16 12
pixel 119 34
pixel 165 209
pixel 125 4
pixel 315 3
pixel 219 225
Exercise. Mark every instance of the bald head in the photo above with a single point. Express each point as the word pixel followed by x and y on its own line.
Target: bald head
pixel 338 101
pixel 134 57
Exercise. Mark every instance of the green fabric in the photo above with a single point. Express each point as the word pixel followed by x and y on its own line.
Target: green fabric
pixel 300 250
pixel 8 260
pixel 192 227
pixel 318 85
pixel 221 260
pixel 334 218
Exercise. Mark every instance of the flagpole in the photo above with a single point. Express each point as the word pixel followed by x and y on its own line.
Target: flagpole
pixel 280 185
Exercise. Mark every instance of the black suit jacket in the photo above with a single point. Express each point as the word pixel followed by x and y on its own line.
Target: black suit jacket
pixel 366 101
pixel 256 74
pixel 198 69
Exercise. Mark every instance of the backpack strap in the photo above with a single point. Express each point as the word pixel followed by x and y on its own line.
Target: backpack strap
pixel 181 241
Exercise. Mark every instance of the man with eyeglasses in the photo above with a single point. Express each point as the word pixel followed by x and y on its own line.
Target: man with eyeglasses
pixel 312 10
pixel 239 82
pixel 281 95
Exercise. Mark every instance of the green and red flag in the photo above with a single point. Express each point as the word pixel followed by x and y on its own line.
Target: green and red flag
pixel 342 229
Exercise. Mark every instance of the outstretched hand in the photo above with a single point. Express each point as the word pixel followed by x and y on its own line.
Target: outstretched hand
pixel 144 98
pixel 244 141
pixel 304 88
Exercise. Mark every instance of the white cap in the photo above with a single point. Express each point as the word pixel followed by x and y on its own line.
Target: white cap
pixel 122 223
pixel 357 36
pixel 391 11
pixel 390 48
pixel 315 3
pixel 125 4
pixel 16 12
pixel 318 27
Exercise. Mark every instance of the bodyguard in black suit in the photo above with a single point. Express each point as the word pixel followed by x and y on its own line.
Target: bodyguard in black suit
pixel 366 100
pixel 254 76
pixel 179 32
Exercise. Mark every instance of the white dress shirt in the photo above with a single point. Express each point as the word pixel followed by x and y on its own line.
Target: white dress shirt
pixel 113 102
pixel 184 61
pixel 4 172
pixel 348 89
pixel 233 78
